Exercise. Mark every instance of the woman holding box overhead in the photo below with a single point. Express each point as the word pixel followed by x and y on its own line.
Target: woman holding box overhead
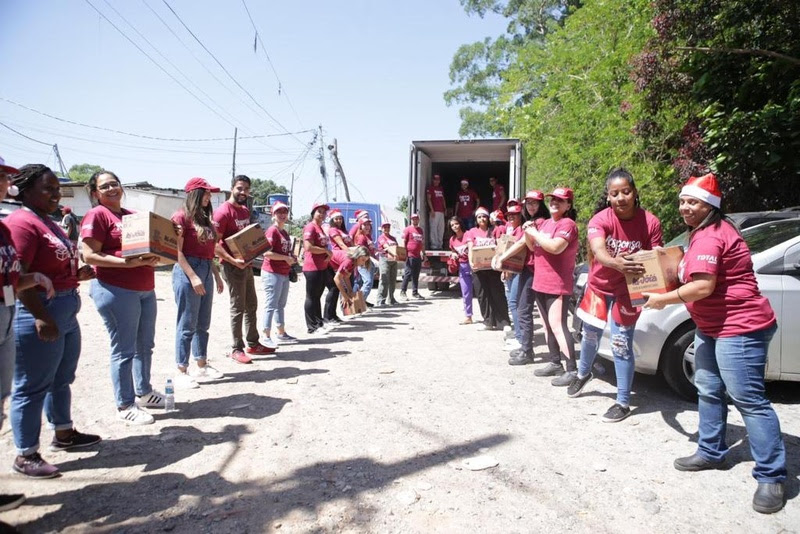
pixel 275 277
pixel 459 247
pixel 735 324
pixel 555 248
pixel 193 279
pixel 387 266
pixel 125 297
pixel 614 233
pixel 488 286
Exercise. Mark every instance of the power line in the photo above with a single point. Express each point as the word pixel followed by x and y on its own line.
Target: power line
pixel 173 78
pixel 25 136
pixel 260 41
pixel 240 86
pixel 150 137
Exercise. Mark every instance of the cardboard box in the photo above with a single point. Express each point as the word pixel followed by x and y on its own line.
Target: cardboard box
pixel 359 305
pixel 399 252
pixel 480 258
pixel 660 273
pixel 147 233
pixel 248 243
pixel 515 263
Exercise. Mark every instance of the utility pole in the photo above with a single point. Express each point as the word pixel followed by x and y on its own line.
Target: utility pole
pixel 291 197
pixel 334 148
pixel 60 162
pixel 321 159
pixel 233 169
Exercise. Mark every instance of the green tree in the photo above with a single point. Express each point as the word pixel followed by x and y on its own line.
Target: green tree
pixel 721 87
pixel 260 190
pixel 81 172
pixel 402 204
pixel 477 70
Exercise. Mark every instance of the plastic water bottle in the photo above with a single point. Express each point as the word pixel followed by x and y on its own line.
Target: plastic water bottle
pixel 169 396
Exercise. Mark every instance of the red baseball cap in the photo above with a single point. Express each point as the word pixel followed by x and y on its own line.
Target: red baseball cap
pixel 564 193
pixel 534 194
pixel 516 208
pixel 8 168
pixel 278 205
pixel 415 215
pixel 199 183
pixel 319 205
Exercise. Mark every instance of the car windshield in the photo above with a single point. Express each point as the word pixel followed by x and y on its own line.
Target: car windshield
pixel 760 238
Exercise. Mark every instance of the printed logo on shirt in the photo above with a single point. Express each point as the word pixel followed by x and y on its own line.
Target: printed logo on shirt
pixel 464 199
pixel 7 252
pixel 565 233
pixel 709 258
pixel 438 194
pixel 87 226
pixel 241 223
pixel 620 247
pixel 62 253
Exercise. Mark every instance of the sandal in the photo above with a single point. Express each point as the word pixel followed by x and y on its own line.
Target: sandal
pixel 468 320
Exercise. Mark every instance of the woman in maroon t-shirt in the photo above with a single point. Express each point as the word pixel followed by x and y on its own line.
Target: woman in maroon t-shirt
pixel 488 286
pixel 459 246
pixel 315 268
pixel 275 277
pixel 193 279
pixel 125 297
pixel 47 331
pixel 735 324
pixel 344 264
pixel 555 245
pixel 340 238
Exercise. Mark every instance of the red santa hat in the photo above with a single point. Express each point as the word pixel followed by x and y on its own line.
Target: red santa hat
pixel 704 188
pixel 361 214
pixel 334 213
pixel 481 211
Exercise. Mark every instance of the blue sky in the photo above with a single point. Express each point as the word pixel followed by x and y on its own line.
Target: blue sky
pixel 372 73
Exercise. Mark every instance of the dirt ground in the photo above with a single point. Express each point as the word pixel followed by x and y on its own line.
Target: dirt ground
pixel 368 430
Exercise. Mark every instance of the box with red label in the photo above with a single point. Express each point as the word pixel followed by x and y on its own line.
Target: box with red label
pixel 358 306
pixel 515 263
pixel 660 273
pixel 148 234
pixel 399 252
pixel 480 258
pixel 248 242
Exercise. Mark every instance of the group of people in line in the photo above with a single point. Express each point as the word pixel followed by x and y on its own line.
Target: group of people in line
pixel 735 323
pixel 41 340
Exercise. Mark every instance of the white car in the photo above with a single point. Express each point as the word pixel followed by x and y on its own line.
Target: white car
pixel 664 339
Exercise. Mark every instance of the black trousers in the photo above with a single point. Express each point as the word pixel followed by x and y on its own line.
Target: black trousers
pixel 525 300
pixel 491 298
pixel 332 298
pixel 411 272
pixel 315 286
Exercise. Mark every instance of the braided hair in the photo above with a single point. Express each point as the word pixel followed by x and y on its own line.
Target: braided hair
pixel 28 174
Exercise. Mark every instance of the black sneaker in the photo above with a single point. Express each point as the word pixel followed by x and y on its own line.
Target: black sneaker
pixel 10 502
pixel 520 357
pixel 577 385
pixel 75 440
pixel 34 466
pixel 565 379
pixel 417 296
pixel 551 369
pixel 616 413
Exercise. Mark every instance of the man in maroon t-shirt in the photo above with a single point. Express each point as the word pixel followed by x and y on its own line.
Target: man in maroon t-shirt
pixel 414 241
pixel 498 195
pixel 437 207
pixel 229 219
pixel 467 201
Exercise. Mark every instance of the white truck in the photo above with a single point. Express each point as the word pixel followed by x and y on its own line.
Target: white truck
pixel 477 160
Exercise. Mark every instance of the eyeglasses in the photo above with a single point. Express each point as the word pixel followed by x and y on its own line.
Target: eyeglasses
pixel 109 185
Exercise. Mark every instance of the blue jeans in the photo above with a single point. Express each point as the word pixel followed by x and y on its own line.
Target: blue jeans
pixel 8 352
pixel 736 365
pixel 194 311
pixel 411 274
pixel 526 297
pixel 365 284
pixel 512 294
pixel 130 318
pixel 276 291
pixel 45 370
pixel 621 348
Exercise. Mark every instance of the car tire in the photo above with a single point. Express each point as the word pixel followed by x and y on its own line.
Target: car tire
pixel 677 371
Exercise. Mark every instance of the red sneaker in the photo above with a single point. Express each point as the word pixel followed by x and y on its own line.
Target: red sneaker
pixel 240 357
pixel 260 349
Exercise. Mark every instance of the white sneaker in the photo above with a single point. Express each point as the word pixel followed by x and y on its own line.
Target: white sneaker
pixel 184 381
pixel 507 328
pixel 133 415
pixel 154 399
pixel 514 344
pixel 206 373
pixel 268 342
